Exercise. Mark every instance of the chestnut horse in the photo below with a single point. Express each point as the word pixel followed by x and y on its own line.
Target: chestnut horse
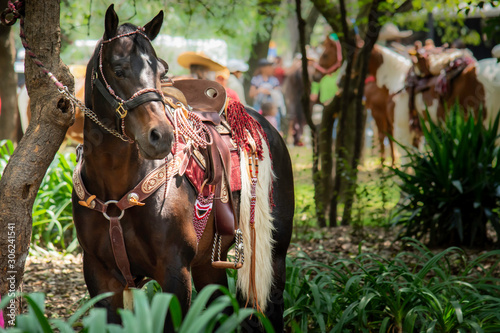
pixel 159 237
pixel 476 86
pixel 384 79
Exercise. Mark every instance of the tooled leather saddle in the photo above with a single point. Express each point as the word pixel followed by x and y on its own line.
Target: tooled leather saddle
pixel 217 166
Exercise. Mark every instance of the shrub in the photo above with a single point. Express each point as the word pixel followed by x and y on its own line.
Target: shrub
pixel 453 188
pixel 148 316
pixel 52 212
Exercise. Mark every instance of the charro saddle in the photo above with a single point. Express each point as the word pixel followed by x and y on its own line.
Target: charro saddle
pixel 216 168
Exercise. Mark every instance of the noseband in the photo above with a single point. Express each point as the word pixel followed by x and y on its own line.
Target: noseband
pixel 120 105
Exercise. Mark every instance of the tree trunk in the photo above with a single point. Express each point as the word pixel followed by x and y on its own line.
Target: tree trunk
pixel 260 46
pixel 311 20
pixel 356 107
pixel 352 114
pixel 8 85
pixel 319 188
pixel 51 117
pixel 323 183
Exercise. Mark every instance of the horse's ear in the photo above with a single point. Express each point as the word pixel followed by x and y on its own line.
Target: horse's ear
pixel 152 29
pixel 165 65
pixel 110 23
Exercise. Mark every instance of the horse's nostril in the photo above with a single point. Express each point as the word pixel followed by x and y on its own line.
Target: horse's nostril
pixel 154 136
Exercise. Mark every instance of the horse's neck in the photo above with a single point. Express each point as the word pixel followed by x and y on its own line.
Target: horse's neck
pixel 392 73
pixel 112 167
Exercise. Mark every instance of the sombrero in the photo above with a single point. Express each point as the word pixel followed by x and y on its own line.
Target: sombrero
pixel 496 51
pixel 390 32
pixel 189 58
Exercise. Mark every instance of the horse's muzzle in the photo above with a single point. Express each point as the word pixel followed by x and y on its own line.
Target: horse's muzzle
pixel 160 141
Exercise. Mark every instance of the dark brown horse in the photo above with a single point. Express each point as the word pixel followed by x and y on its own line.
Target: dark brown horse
pixel 159 237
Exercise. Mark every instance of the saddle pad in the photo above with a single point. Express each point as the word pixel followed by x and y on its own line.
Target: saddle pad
pixel 195 173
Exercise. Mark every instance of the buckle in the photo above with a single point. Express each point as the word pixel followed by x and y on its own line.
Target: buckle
pixel 121 111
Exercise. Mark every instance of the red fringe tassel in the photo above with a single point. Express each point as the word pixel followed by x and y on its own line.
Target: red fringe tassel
pixel 241 122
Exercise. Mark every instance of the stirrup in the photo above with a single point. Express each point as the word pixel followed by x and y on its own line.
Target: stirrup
pixel 238 249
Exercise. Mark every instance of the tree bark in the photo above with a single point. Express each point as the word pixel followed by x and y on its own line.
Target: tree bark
pixel 357 107
pixel 323 184
pixel 8 85
pixel 311 19
pixel 51 117
pixel 306 105
pixel 260 46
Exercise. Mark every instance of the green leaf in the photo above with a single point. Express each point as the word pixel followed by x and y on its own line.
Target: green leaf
pixel 458 185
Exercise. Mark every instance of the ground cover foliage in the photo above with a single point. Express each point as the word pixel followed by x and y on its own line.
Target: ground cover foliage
pixel 417 290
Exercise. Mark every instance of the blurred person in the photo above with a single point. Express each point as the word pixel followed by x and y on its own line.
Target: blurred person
pixel 279 71
pixel 199 64
pixel 263 83
pixel 270 111
pixel 235 82
pixel 391 33
pixel 222 78
pixel 264 87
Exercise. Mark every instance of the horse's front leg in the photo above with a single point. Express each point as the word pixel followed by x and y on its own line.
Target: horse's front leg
pixel 173 270
pixel 100 279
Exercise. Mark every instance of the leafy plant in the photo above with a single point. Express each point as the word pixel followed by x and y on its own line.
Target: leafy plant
pixel 376 196
pixel 416 291
pixel 147 317
pixel 52 214
pixel 6 150
pixel 453 187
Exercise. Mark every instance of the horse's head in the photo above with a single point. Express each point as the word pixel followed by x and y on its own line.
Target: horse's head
pixel 330 60
pixel 126 85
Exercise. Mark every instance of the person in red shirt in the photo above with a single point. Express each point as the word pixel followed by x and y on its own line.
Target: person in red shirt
pixel 221 77
pixel 279 71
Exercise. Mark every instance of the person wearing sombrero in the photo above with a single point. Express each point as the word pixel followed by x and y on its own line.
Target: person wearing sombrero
pixel 199 64
pixel 236 69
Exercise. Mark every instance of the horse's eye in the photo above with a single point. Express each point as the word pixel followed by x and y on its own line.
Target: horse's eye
pixel 119 72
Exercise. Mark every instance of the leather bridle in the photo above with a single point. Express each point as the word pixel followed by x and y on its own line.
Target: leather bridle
pixel 120 105
pixel 336 64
